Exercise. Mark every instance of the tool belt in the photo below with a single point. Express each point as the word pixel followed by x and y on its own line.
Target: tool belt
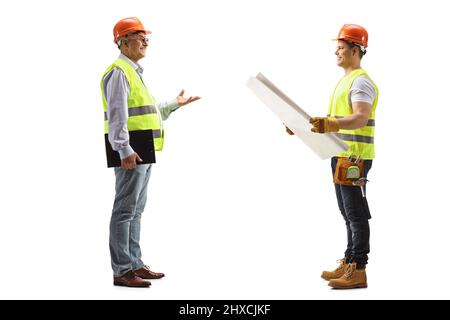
pixel 348 171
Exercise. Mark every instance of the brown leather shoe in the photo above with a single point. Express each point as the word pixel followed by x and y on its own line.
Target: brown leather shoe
pixel 146 273
pixel 129 279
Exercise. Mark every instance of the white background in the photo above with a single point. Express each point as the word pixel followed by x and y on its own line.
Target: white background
pixel 237 208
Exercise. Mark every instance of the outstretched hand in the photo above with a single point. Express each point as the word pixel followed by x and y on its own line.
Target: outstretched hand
pixel 182 101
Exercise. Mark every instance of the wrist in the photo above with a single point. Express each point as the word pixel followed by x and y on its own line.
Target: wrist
pixel 125 152
pixel 333 124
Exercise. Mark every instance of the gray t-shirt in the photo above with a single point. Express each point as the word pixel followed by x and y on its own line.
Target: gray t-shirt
pixel 362 90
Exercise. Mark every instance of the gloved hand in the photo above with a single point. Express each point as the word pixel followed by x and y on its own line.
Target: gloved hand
pixel 289 131
pixel 324 124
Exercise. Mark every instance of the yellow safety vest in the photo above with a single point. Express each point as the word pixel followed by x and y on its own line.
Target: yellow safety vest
pixel 360 141
pixel 142 110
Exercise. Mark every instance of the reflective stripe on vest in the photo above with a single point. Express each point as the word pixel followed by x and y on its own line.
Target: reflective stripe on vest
pixel 138 111
pixel 360 141
pixel 355 138
pixel 142 111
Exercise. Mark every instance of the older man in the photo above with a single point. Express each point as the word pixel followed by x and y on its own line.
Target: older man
pixel 132 117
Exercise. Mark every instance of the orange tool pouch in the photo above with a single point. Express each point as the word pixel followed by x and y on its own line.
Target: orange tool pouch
pixel 348 171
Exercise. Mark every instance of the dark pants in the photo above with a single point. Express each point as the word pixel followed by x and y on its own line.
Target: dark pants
pixel 356 214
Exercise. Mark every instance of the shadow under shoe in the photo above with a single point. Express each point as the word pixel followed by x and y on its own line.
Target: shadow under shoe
pixel 336 274
pixel 129 279
pixel 352 279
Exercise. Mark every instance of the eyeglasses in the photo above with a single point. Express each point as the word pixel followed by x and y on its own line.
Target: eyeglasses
pixel 141 39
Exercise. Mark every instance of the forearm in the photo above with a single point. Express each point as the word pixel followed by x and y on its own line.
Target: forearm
pixel 166 108
pixel 352 122
pixel 119 139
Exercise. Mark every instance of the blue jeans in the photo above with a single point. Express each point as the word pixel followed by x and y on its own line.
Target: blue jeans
pixel 125 226
pixel 355 210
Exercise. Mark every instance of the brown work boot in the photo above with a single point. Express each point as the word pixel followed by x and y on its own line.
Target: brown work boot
pixel 336 274
pixel 129 279
pixel 146 273
pixel 352 279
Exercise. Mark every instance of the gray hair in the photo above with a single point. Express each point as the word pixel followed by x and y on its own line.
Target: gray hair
pixel 119 42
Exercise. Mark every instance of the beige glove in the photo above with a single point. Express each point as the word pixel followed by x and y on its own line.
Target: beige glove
pixel 324 124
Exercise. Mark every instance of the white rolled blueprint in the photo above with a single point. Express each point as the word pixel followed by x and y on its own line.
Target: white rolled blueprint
pixel 295 118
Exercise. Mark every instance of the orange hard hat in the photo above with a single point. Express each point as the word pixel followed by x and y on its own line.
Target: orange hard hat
pixel 128 25
pixel 354 33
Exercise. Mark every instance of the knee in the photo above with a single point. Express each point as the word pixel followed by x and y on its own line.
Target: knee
pixel 124 215
pixel 359 224
pixel 137 214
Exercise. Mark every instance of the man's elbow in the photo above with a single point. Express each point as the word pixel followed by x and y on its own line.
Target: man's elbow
pixel 361 121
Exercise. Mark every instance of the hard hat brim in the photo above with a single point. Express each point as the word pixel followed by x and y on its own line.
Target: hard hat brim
pixel 344 39
pixel 134 31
